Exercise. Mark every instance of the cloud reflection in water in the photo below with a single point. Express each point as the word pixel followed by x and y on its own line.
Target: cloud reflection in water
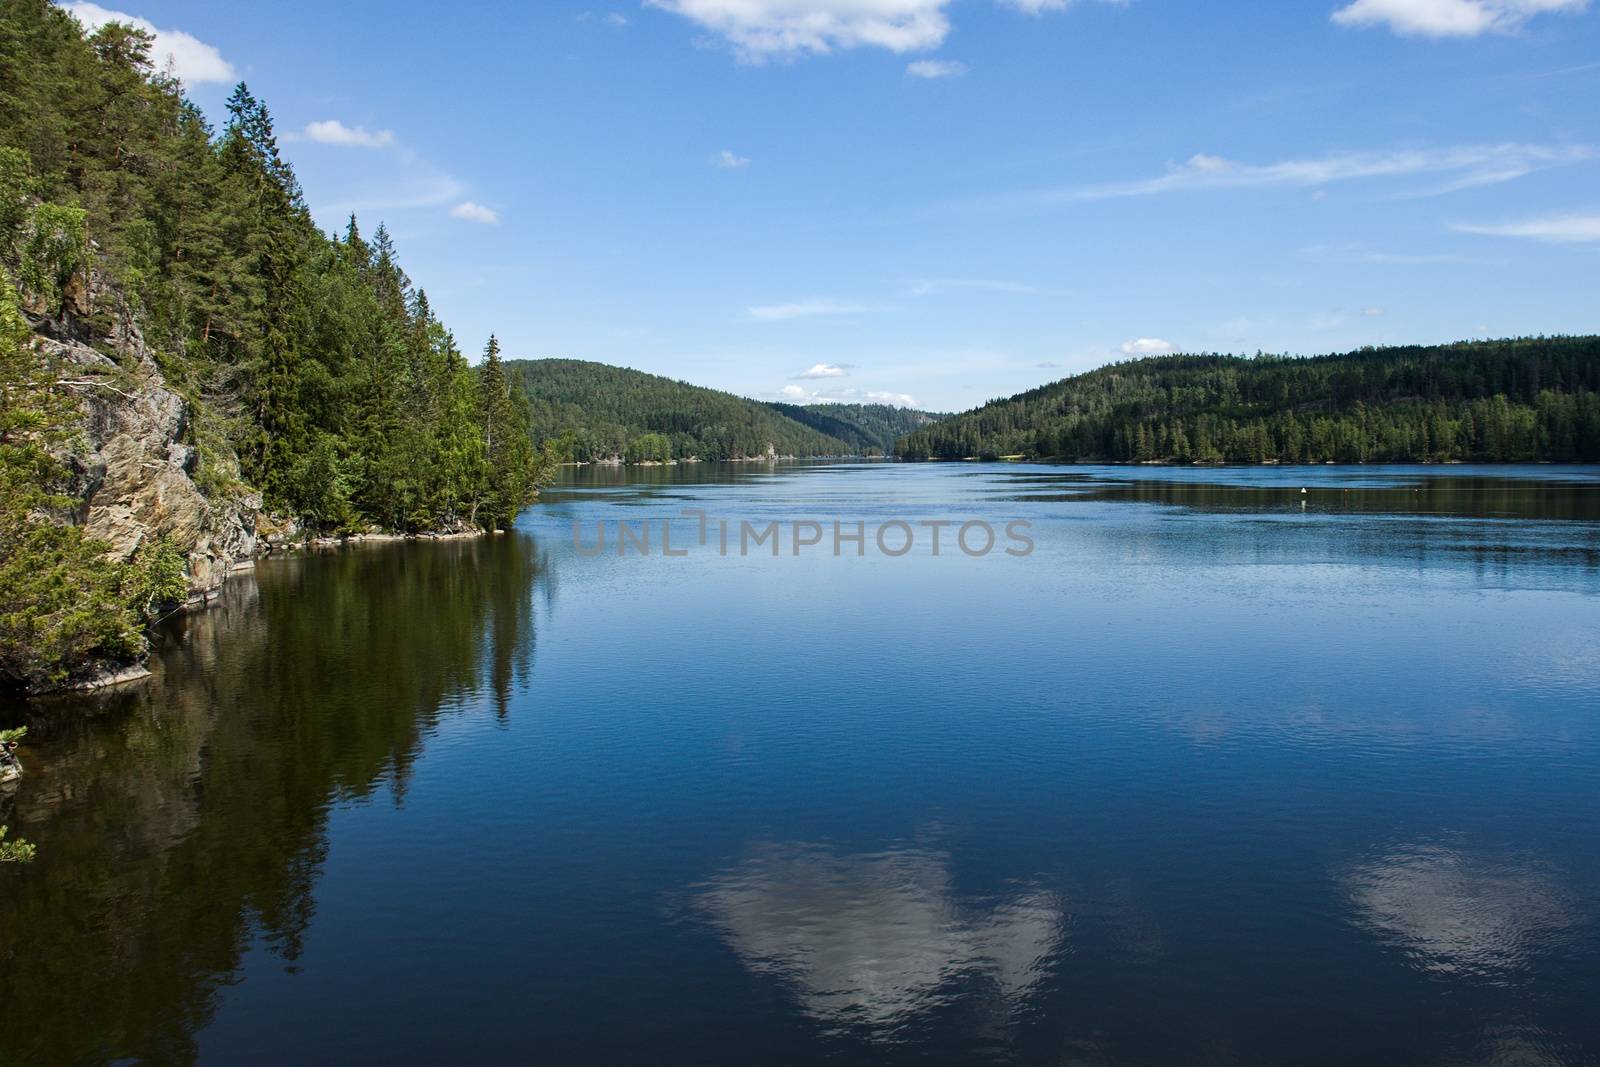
pixel 1461 915
pixel 873 939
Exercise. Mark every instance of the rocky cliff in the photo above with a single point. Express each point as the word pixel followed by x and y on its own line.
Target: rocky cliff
pixel 134 465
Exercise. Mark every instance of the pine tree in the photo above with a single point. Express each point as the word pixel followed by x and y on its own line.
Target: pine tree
pixel 507 450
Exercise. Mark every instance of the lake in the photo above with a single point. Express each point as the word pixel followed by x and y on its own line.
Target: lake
pixel 1218 771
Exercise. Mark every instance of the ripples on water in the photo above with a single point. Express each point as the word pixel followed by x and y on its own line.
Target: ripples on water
pixel 1225 772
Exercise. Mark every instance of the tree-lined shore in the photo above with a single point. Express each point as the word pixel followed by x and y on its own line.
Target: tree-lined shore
pixel 1527 400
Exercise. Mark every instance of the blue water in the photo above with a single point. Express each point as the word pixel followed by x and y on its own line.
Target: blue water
pixel 1221 772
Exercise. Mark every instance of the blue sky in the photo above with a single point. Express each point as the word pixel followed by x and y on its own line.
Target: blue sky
pixel 940 201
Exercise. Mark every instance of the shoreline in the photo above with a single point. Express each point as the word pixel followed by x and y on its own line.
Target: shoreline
pixel 276 544
pixel 1056 461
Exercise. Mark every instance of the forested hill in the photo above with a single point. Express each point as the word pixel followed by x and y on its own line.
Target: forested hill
pixel 601 412
pixel 869 429
pixel 1523 400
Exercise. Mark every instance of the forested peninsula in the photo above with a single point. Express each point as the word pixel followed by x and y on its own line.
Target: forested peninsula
pixel 867 429
pixel 1527 400
pixel 594 412
pixel 186 357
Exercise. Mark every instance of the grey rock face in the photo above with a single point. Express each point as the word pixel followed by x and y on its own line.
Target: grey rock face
pixel 134 472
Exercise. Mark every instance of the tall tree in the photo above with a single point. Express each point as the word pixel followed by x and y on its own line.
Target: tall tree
pixel 507 450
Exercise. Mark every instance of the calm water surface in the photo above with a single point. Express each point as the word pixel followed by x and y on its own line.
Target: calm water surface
pixel 1222 773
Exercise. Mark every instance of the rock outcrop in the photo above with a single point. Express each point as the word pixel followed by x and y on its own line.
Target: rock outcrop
pixel 134 466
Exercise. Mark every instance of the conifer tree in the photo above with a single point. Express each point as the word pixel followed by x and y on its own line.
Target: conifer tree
pixel 508 454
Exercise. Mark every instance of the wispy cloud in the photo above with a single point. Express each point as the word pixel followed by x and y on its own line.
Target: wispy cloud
pixel 334 132
pixel 1146 346
pixel 802 309
pixel 824 370
pixel 1559 229
pixel 799 394
pixel 730 160
pixel 1467 166
pixel 472 212
pixel 1450 18
pixel 761 30
pixel 1355 253
pixel 933 69
pixel 940 286
pixel 192 60
pixel 1039 7
pixel 428 190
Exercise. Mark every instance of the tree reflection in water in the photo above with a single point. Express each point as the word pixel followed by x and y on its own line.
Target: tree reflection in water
pixel 184 819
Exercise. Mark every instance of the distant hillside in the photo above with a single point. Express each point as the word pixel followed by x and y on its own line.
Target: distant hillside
pixel 608 411
pixel 1524 400
pixel 869 429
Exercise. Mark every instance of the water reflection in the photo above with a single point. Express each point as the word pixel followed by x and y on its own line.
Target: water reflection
pixel 869 940
pixel 180 821
pixel 1461 915
pixel 1554 494
pixel 1192 706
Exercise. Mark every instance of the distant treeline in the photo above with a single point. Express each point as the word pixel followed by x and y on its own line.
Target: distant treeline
pixel 600 412
pixel 869 429
pixel 1513 401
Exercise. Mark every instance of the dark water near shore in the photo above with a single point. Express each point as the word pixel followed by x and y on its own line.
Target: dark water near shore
pixel 1222 772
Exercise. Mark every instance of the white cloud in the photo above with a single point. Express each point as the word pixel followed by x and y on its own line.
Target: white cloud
pixel 1562 229
pixel 799 394
pixel 614 19
pixel 823 370
pixel 1374 312
pixel 761 29
pixel 475 213
pixel 728 160
pixel 334 132
pixel 191 59
pixel 1469 166
pixel 1450 18
pixel 802 309
pixel 936 68
pixel 940 286
pixel 1146 346
pixel 1039 7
